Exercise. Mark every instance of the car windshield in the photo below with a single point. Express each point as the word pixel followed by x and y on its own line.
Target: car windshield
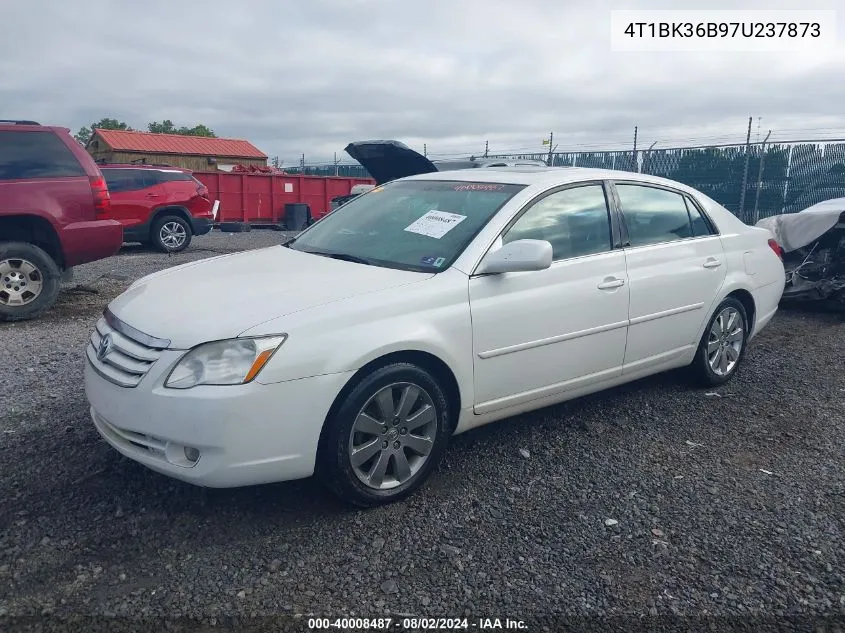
pixel 418 225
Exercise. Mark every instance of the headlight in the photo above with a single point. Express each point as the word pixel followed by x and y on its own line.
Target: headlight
pixel 232 362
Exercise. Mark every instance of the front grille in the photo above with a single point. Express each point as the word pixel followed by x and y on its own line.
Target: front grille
pixel 127 360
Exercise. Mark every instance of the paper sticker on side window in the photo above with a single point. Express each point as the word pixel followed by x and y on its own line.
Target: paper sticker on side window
pixel 436 224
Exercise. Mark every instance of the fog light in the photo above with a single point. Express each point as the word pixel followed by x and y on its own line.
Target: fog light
pixel 192 454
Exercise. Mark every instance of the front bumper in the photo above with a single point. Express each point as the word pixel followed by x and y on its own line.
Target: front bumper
pixel 245 434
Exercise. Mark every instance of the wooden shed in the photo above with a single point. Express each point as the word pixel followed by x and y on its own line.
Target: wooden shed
pixel 198 153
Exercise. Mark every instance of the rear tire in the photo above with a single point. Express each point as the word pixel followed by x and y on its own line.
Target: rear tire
pixel 722 346
pixel 171 234
pixel 29 281
pixel 377 451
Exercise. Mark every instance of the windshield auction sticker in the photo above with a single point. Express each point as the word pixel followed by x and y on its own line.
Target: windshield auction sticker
pixel 436 224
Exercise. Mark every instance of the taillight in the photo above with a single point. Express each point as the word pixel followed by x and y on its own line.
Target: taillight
pixel 776 248
pixel 102 199
pixel 202 190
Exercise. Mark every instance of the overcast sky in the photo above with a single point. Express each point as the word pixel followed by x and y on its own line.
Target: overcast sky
pixel 310 76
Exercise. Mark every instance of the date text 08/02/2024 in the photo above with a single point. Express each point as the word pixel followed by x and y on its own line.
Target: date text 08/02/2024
pixel 415 624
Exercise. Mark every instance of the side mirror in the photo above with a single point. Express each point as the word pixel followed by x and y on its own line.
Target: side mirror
pixel 516 257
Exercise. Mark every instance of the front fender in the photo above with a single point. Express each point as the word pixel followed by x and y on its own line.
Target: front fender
pixel 348 335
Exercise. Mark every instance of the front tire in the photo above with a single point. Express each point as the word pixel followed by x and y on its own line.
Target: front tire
pixel 29 281
pixel 722 345
pixel 386 437
pixel 171 234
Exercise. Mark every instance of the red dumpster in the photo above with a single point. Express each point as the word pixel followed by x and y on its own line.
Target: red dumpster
pixel 257 198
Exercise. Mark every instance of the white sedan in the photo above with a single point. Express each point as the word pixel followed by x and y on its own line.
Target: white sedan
pixel 429 306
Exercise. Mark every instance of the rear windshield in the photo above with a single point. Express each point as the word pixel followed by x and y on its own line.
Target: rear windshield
pixel 419 225
pixel 36 155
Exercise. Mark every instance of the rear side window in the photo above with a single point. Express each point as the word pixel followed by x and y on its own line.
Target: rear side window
pixel 36 155
pixel 700 226
pixel 120 180
pixel 654 216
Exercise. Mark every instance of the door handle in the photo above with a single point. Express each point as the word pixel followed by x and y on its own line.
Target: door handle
pixel 712 262
pixel 152 195
pixel 610 283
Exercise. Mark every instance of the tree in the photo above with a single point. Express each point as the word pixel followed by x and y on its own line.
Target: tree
pixel 84 134
pixel 197 130
pixel 167 127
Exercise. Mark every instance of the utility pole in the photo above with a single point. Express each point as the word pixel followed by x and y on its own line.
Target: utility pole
pixel 425 150
pixel 635 147
pixel 551 147
pixel 760 176
pixel 335 164
pixel 302 162
pixel 486 148
pixel 745 175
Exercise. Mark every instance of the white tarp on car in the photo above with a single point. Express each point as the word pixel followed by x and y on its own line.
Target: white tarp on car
pixel 796 230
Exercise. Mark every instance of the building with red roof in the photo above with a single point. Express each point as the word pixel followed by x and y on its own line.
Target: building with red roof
pixel 198 153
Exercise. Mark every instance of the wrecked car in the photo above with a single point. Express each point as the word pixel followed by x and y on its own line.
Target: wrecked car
pixel 813 244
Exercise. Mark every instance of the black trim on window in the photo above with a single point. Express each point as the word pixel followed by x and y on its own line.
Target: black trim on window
pixel 620 235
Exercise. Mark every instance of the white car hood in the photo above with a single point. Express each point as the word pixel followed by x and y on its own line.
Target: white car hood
pixel 224 296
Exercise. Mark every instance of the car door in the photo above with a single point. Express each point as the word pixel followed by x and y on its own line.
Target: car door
pixel 676 267
pixel 129 189
pixel 544 332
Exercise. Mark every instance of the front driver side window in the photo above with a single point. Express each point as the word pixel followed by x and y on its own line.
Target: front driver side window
pixel 575 221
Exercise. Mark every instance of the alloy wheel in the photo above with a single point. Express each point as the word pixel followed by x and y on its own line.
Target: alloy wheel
pixel 172 234
pixel 393 435
pixel 724 342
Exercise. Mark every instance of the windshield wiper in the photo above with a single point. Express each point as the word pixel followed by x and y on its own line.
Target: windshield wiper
pixel 345 257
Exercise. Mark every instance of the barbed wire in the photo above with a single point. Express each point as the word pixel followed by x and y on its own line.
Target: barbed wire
pixel 695 142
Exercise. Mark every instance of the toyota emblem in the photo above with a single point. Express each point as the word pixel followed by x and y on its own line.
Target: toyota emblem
pixel 104 348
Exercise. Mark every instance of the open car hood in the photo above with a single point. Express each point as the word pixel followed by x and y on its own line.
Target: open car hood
pixel 389 160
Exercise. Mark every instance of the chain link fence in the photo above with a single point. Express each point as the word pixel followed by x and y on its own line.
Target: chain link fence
pixel 793 175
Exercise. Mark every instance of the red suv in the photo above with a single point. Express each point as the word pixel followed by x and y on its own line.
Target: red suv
pixel 158 205
pixel 54 214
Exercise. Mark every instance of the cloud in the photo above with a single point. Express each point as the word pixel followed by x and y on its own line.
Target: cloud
pixel 309 77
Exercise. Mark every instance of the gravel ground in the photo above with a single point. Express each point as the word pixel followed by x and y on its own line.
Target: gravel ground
pixel 652 498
